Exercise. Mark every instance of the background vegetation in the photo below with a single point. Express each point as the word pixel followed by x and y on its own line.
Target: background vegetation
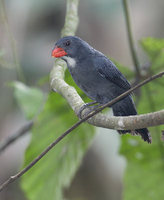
pixel 28 32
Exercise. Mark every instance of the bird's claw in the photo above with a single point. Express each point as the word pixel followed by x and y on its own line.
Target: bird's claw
pixel 83 107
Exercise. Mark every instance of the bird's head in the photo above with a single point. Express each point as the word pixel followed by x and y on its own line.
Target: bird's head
pixel 70 46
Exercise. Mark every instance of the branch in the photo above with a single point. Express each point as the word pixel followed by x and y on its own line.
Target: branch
pixel 71 18
pixel 70 94
pixel 59 85
pixel 120 123
pixel 19 174
pixel 15 136
pixel 130 38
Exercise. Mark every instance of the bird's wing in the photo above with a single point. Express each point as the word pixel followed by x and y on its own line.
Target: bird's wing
pixel 108 70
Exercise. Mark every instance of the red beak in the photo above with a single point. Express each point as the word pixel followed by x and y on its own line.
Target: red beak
pixel 58 52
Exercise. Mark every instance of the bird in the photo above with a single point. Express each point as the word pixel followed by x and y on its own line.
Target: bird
pixel 98 77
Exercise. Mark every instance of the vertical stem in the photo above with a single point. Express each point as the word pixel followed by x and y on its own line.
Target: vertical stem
pixel 71 18
pixel 19 72
pixel 130 38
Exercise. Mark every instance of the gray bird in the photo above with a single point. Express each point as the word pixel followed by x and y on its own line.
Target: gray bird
pixel 98 77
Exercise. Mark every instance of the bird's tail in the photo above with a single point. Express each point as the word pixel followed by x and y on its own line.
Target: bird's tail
pixel 126 107
pixel 143 132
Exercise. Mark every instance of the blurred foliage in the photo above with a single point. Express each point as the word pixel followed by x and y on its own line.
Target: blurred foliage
pixel 152 46
pixel 29 99
pixel 56 170
pixel 145 163
pixel 155 50
pixel 3 62
pixel 144 174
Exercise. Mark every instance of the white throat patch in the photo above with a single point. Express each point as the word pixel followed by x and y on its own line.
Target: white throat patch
pixel 71 61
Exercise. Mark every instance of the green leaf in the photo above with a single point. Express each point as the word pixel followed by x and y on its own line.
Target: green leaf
pixel 30 99
pixel 158 62
pixel 144 174
pixel 55 171
pixel 152 46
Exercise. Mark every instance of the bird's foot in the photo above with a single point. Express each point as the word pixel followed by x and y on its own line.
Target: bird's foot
pixel 87 105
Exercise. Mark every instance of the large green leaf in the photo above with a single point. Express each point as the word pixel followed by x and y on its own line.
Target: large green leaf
pixel 29 99
pixel 55 171
pixel 145 163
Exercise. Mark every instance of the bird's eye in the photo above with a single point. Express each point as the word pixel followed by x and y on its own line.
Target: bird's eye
pixel 67 43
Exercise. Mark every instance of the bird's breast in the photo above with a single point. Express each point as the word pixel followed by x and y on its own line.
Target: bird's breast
pixel 95 86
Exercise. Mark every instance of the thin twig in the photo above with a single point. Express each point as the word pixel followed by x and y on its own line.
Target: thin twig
pixel 4 144
pixel 130 38
pixel 22 172
pixel 11 39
